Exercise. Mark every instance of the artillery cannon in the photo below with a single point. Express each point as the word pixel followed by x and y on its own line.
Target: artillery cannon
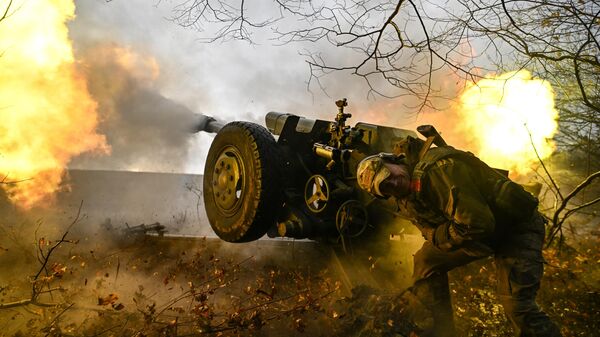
pixel 295 178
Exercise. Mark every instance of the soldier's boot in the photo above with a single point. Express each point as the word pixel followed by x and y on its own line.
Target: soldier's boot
pixel 433 293
pixel 527 319
pixel 541 326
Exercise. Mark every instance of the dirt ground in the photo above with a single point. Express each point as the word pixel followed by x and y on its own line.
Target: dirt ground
pixel 109 284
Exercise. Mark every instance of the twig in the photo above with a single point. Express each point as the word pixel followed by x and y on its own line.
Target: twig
pixel 12 182
pixel 35 292
pixel 49 326
pixel 5 15
pixel 556 220
pixel 62 239
pixel 26 302
pixel 118 268
pixel 15 304
pixel 542 163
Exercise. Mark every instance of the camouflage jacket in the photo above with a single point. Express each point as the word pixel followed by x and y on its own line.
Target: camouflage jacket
pixel 456 194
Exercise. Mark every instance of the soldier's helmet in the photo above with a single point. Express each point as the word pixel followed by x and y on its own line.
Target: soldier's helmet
pixel 371 173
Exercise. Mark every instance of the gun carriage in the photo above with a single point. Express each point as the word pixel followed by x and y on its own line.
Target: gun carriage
pixel 295 178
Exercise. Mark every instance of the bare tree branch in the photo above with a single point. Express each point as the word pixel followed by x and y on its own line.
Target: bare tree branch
pixel 36 282
pixel 6 11
pixel 556 220
pixel 12 182
pixel 554 185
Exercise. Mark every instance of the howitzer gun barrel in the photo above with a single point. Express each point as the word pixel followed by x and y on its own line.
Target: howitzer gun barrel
pixel 207 124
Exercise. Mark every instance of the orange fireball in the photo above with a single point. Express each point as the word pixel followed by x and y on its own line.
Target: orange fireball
pixel 47 115
pixel 507 118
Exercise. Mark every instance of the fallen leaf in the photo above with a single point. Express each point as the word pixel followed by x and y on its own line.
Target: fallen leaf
pixel 110 299
pixel 118 306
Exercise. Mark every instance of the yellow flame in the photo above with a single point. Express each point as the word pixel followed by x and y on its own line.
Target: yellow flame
pixel 506 116
pixel 47 115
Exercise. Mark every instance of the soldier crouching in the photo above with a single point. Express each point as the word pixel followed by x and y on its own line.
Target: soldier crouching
pixel 465 211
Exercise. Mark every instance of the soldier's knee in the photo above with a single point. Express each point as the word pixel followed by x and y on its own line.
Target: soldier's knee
pixel 426 263
pixel 422 266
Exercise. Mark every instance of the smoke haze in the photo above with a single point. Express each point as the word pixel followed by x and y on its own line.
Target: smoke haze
pixel 146 130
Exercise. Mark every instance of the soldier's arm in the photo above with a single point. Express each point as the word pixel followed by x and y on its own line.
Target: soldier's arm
pixel 451 187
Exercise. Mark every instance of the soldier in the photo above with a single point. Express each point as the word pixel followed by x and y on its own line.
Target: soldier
pixel 465 211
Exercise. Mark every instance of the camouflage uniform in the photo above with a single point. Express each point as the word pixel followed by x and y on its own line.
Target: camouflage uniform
pixel 468 211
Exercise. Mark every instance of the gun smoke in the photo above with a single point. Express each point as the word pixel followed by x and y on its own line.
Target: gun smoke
pixel 146 130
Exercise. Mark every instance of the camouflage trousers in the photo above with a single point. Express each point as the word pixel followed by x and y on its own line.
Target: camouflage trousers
pixel 519 269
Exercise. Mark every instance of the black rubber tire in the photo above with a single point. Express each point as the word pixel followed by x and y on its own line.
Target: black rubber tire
pixel 260 198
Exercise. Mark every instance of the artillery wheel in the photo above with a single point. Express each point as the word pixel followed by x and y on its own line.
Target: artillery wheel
pixel 242 182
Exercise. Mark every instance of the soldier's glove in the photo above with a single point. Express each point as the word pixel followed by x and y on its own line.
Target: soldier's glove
pixel 428 233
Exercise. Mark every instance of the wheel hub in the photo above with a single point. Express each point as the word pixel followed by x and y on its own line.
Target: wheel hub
pixel 227 180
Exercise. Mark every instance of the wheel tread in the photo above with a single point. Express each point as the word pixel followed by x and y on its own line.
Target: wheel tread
pixel 267 180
